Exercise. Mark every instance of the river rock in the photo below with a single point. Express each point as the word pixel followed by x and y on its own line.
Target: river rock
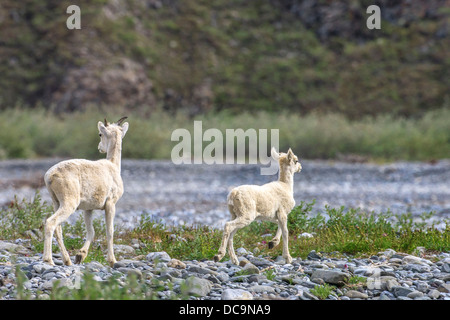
pixel 415 260
pixel 313 255
pixel 415 294
pixel 201 270
pixel 401 291
pixel 250 268
pixel 445 287
pixel 177 264
pixel 236 294
pixel 197 287
pixel 434 294
pixel 353 294
pixel 123 250
pixel 161 256
pixel 382 283
pixel 330 276
pixel 13 248
pixel 260 262
pixel 262 289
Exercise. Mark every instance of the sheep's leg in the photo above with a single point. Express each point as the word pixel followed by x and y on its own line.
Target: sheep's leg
pixel 228 233
pixel 282 223
pixel 89 237
pixel 59 239
pixel 55 220
pixel 276 240
pixel 225 237
pixel 237 224
pixel 231 251
pixel 47 256
pixel 110 211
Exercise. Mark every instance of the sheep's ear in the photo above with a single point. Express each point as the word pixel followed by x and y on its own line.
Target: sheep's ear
pixel 101 127
pixel 275 154
pixel 290 154
pixel 124 129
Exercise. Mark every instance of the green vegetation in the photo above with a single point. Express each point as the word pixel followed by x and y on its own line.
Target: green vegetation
pixel 111 289
pixel 335 230
pixel 40 133
pixel 322 291
pixel 356 281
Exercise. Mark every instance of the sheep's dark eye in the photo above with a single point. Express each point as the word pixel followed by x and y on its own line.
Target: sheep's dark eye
pixel 99 134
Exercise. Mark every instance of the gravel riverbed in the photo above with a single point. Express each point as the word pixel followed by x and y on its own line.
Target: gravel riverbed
pixel 388 275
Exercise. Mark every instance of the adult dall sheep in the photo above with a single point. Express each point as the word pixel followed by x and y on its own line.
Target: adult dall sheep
pixel 86 185
pixel 270 202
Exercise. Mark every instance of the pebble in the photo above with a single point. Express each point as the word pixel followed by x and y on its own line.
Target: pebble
pixel 402 291
pixel 236 294
pixel 353 294
pixel 262 289
pixel 434 294
pixel 389 275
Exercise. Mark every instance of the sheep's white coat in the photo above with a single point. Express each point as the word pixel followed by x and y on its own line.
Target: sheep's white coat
pixel 270 202
pixel 86 185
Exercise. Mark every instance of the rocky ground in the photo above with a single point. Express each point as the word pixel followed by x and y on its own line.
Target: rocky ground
pixel 197 193
pixel 389 275
pixel 188 194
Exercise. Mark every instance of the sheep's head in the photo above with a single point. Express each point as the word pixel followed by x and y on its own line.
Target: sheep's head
pixel 287 160
pixel 110 132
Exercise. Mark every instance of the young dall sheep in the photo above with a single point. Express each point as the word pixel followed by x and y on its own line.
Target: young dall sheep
pixel 270 202
pixel 86 185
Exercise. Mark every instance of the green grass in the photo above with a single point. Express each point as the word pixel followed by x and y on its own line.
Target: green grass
pixel 24 219
pixel 384 138
pixel 322 291
pixel 346 231
pixel 90 289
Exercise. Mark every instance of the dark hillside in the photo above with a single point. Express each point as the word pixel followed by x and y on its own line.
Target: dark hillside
pixel 237 55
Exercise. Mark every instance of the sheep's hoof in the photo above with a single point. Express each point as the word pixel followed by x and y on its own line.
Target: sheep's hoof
pixel 49 261
pixel 67 262
pixel 271 245
pixel 216 258
pixel 112 263
pixel 78 258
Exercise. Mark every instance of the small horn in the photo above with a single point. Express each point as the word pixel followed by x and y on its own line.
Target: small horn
pixel 119 122
pixel 106 123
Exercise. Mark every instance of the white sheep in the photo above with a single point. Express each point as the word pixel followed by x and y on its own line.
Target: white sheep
pixel 270 202
pixel 86 185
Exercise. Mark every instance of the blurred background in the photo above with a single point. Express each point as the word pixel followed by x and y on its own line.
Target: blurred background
pixel 312 69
